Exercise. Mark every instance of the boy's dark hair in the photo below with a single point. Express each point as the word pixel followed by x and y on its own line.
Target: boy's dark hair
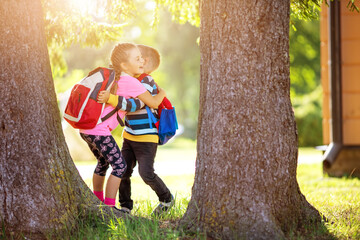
pixel 152 54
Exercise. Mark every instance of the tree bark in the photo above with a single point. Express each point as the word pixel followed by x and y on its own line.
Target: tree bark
pixel 245 181
pixel 41 192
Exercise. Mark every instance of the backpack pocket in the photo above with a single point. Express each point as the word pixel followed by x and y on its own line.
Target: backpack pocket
pixel 77 98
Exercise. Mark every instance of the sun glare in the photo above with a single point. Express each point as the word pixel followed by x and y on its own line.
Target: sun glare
pixel 89 7
pixel 150 5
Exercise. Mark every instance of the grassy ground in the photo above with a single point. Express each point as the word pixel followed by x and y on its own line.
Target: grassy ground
pixel 338 199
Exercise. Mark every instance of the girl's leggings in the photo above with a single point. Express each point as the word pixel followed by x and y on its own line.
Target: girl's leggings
pixel 106 152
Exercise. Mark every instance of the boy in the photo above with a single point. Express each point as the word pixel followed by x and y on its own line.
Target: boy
pixel 141 141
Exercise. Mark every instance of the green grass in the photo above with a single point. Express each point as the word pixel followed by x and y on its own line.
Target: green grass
pixel 338 199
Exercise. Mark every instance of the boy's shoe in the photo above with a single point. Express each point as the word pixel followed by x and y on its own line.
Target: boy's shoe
pixel 163 207
pixel 125 210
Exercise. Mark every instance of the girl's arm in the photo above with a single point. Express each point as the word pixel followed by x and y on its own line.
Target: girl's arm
pixel 152 101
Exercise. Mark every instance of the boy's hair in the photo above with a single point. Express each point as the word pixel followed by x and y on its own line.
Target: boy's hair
pixel 152 54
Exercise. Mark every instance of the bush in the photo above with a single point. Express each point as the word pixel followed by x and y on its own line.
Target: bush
pixel 308 115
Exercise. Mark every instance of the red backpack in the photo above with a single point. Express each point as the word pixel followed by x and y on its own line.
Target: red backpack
pixel 82 110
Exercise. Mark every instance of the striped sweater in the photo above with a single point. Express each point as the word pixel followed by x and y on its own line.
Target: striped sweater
pixel 137 125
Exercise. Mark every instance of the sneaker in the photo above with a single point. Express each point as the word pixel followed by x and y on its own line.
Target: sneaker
pixel 126 211
pixel 163 207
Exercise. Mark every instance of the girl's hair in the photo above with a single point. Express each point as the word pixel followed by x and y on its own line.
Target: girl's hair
pixel 119 55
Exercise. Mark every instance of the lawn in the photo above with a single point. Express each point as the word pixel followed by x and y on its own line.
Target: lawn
pixel 338 199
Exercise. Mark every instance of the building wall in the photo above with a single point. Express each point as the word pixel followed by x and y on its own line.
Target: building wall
pixel 350 47
pixel 324 52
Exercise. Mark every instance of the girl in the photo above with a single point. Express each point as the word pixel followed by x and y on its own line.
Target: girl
pixel 127 62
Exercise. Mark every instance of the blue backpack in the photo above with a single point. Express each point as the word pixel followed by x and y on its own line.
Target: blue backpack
pixel 166 125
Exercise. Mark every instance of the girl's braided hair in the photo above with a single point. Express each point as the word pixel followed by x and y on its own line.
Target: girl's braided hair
pixel 119 55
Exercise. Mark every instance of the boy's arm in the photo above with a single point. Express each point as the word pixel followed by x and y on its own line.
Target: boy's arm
pixel 149 83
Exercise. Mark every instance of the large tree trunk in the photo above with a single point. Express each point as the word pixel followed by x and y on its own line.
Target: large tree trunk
pixel 245 181
pixel 41 191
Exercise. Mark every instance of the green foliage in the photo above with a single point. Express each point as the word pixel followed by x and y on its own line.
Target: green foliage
pixel 182 11
pixel 305 9
pixel 306 91
pixel 309 9
pixel 304 56
pixel 352 6
pixel 89 23
pixel 308 116
pixel 92 23
pixel 82 22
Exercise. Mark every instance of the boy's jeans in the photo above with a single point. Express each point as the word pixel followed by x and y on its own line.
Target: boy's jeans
pixel 143 153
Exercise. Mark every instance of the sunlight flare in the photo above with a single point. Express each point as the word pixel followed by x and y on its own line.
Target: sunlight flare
pixel 93 8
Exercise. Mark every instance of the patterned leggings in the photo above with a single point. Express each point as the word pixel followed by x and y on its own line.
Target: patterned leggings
pixel 106 152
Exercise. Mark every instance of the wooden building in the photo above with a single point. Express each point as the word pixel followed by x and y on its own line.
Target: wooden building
pixel 340 78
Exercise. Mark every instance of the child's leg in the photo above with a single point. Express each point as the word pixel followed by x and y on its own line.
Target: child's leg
pixel 99 177
pixel 101 167
pixel 125 185
pixel 112 186
pixel 145 155
pixel 111 152
pixel 98 182
pixel 98 186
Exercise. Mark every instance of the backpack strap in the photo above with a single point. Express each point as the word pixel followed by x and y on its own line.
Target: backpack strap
pixel 152 118
pixel 94 71
pixel 106 74
pixel 167 104
pixel 107 116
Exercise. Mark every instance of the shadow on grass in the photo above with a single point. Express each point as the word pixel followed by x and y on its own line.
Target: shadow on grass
pixel 317 231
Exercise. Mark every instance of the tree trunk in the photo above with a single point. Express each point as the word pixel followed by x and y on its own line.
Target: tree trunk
pixel 245 181
pixel 41 191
